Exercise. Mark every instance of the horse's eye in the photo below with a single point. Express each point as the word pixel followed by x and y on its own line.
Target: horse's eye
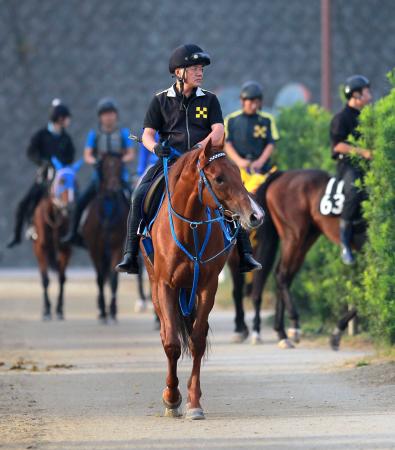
pixel 219 180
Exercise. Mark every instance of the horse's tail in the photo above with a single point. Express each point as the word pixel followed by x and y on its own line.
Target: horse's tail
pixel 268 240
pixel 185 325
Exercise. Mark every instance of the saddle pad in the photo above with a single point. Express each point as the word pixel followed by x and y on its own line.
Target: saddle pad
pixel 332 201
pixel 153 197
pixel 253 180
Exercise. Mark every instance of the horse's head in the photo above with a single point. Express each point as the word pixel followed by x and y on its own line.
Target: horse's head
pixel 64 185
pixel 111 167
pixel 223 178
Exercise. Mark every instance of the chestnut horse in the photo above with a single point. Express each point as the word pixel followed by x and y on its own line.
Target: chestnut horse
pixel 291 201
pixel 104 231
pixel 51 220
pixel 190 252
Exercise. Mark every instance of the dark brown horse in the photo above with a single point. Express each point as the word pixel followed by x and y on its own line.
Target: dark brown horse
pixel 172 270
pixel 291 200
pixel 50 220
pixel 104 231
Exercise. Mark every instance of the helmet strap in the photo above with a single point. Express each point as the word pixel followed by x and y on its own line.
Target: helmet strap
pixel 181 81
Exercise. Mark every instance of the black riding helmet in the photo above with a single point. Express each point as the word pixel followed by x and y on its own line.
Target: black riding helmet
pixel 106 104
pixel 251 90
pixel 355 84
pixel 58 110
pixel 186 56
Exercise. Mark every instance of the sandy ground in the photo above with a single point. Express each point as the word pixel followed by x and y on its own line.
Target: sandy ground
pixel 81 385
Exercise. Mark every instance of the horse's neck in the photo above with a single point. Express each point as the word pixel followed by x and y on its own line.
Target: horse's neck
pixel 185 198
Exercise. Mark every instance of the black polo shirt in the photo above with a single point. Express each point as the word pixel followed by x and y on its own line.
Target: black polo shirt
pixel 183 121
pixel 250 133
pixel 343 125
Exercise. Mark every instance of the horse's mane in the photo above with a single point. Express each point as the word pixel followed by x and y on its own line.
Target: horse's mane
pixel 183 161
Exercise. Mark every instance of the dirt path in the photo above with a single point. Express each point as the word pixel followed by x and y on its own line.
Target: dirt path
pixel 81 385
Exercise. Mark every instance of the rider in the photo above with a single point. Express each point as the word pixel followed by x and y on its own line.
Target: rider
pixel 250 132
pixel 186 117
pixel 344 124
pixel 108 137
pixel 50 141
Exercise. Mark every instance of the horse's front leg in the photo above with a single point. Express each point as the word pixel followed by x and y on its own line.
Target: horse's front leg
pixel 197 345
pixel 171 343
pixel 64 257
pixel 41 255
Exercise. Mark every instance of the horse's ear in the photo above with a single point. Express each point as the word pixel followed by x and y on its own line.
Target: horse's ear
pixel 77 165
pixel 56 163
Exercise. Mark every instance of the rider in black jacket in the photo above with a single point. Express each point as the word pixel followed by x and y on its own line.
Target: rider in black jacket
pixel 185 116
pixel 47 142
pixel 344 125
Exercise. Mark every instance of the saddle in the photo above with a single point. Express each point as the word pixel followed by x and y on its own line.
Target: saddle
pixel 332 202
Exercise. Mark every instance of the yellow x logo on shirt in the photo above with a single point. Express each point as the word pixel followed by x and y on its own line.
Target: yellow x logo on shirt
pixel 201 112
pixel 259 131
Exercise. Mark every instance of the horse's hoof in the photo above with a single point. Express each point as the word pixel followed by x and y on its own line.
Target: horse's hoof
pixel 60 316
pixel 140 306
pixel 113 320
pixel 47 317
pixel 285 344
pixel 240 336
pixel 194 413
pixel 295 334
pixel 172 412
pixel 256 338
pixel 103 320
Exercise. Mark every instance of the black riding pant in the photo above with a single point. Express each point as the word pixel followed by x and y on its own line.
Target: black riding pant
pixel 27 205
pixel 350 174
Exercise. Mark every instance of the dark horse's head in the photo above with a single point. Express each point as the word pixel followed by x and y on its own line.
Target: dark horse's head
pixel 224 179
pixel 64 185
pixel 111 167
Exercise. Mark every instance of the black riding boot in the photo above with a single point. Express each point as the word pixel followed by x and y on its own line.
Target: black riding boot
pixel 17 235
pixel 72 237
pixel 129 263
pixel 247 261
pixel 345 240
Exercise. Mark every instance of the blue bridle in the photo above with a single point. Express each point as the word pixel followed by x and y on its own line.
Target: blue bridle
pixel 220 218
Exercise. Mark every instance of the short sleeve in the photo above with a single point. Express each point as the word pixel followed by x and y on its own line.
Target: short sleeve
pixel 228 129
pixel 215 112
pixel 91 139
pixel 126 142
pixel 269 134
pixel 153 117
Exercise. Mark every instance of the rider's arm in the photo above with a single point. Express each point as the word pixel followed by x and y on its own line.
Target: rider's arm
pixel 89 154
pixel 235 157
pixel 265 155
pixel 344 148
pixel 129 151
pixel 89 157
pixel 149 139
pixel 216 135
pixel 339 133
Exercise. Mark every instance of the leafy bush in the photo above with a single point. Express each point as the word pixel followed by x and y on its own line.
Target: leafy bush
pixel 377 295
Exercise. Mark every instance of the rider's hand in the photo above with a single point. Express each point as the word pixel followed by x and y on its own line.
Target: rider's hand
pixel 367 154
pixel 256 165
pixel 162 151
pixel 243 163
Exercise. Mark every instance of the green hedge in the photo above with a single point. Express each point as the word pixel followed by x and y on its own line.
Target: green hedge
pixel 377 295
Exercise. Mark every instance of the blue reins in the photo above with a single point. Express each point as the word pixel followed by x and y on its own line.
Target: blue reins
pixel 219 217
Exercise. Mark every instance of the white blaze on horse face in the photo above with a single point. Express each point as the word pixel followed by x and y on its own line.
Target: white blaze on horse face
pixel 258 211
